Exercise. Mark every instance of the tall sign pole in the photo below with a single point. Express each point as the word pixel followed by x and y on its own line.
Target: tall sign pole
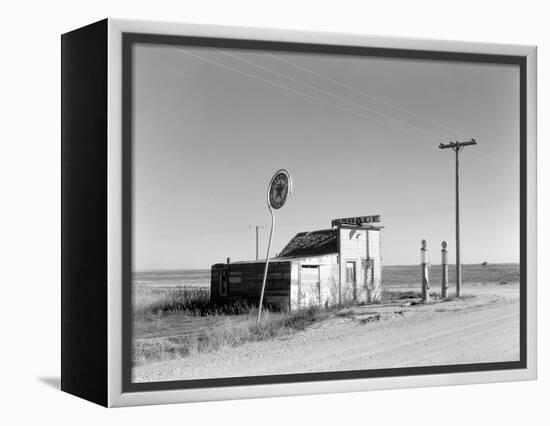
pixel 458 147
pixel 278 190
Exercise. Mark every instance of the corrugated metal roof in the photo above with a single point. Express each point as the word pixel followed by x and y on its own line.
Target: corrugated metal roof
pixel 313 243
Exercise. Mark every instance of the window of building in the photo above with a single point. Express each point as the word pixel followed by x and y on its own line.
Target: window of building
pixel 350 272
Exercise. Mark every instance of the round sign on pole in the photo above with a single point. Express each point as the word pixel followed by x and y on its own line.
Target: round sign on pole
pixel 280 188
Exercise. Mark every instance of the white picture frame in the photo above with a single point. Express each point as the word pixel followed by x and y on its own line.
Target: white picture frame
pixel 114 392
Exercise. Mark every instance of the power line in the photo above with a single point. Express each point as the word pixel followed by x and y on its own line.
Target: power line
pixel 303 94
pixel 360 92
pixel 328 93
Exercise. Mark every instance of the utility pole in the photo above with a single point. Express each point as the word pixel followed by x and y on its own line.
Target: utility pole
pixel 258 227
pixel 458 147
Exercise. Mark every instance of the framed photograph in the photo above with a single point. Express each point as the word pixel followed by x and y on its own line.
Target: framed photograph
pixel 251 212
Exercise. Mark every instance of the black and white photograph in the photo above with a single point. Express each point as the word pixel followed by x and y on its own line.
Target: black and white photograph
pixel 320 212
pixel 257 213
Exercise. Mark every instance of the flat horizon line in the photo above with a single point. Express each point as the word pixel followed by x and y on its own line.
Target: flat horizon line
pixel 393 265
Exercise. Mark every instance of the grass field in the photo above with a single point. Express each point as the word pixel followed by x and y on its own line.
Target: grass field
pixel 176 321
pixel 395 276
pixel 150 300
pixel 166 336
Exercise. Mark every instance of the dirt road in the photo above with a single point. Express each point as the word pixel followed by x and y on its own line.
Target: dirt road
pixel 480 328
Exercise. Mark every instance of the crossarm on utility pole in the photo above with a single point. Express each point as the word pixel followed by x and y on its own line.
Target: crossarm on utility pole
pixel 457 144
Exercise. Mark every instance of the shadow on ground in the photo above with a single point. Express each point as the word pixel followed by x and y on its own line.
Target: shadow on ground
pixel 54 382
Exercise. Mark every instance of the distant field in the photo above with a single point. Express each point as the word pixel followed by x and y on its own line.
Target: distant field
pixel 391 275
pixel 405 275
pixel 174 278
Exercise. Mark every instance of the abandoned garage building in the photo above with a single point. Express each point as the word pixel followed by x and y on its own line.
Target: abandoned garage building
pixel 320 268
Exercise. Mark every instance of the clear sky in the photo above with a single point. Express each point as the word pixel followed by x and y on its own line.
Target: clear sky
pixel 358 134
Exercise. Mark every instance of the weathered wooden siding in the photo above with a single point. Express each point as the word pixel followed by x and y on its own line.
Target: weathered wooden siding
pixel 362 247
pixel 324 291
pixel 295 285
pixel 353 248
pixel 310 285
pixel 374 253
pixel 244 282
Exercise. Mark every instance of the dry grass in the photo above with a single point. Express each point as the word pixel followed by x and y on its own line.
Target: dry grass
pixel 161 349
pixel 212 339
pixel 346 312
pixel 151 301
pixel 148 300
pixel 397 296
pixel 415 296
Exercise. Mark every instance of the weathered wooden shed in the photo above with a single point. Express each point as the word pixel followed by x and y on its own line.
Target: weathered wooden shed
pixel 319 268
